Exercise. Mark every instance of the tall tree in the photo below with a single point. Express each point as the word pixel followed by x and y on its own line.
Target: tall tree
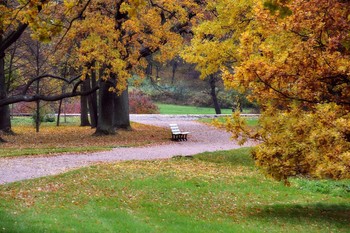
pixel 34 64
pixel 121 111
pixel 105 124
pixel 294 59
pixel 45 19
pixel 84 116
pixel 121 34
pixel 92 100
pixel 212 83
pixel 298 69
pixel 5 120
pixel 214 45
pixel 13 22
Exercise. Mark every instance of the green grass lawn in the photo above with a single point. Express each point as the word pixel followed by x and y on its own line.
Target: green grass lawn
pixel 250 121
pixel 179 109
pixel 27 121
pixel 211 192
pixel 11 152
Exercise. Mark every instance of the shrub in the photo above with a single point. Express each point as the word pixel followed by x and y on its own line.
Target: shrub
pixel 140 103
pixel 309 142
pixel 45 115
pixel 49 117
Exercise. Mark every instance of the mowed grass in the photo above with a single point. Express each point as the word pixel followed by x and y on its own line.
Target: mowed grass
pixel 212 192
pixel 250 121
pixel 28 121
pixel 180 109
pixel 69 137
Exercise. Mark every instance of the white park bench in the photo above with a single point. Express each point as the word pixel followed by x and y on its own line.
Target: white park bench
pixel 176 134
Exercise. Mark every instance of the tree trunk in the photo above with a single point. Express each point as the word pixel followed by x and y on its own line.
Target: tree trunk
pixel 212 83
pixel 5 116
pixel 174 67
pixel 92 101
pixel 2 140
pixel 105 122
pixel 149 68
pixel 59 112
pixel 37 116
pixel 157 72
pixel 84 116
pixel 121 111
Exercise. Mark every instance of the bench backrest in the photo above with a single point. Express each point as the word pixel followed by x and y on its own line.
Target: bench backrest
pixel 174 128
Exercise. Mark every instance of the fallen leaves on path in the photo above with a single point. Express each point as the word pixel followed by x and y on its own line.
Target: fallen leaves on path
pixel 76 136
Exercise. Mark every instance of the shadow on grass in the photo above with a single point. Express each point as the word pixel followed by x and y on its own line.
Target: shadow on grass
pixel 237 157
pixel 313 213
pixel 9 224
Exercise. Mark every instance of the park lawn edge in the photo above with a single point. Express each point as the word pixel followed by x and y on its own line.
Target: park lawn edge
pixel 170 196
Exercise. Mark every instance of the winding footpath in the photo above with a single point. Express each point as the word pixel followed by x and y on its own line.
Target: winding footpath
pixel 202 138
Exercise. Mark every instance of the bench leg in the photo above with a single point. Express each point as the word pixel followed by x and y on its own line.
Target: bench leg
pixel 179 137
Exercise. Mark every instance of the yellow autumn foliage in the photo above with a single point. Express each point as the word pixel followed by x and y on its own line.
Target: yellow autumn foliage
pixel 215 42
pixel 293 58
pixel 298 142
pixel 113 36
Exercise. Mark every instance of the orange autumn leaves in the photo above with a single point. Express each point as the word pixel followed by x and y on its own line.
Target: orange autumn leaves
pixel 293 58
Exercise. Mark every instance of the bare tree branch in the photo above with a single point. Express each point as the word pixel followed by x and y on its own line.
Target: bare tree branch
pixel 68 81
pixel 79 16
pixel 32 98
pixel 297 98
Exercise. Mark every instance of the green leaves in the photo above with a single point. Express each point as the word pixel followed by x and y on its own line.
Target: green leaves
pixel 276 8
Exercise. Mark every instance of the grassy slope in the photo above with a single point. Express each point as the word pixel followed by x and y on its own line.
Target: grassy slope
pixel 250 121
pixel 214 192
pixel 178 109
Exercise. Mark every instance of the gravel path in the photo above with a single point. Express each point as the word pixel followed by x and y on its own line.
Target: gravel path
pixel 202 138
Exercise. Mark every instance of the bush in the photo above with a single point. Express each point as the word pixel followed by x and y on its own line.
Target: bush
pixel 49 118
pixel 140 103
pixel 45 115
pixel 311 143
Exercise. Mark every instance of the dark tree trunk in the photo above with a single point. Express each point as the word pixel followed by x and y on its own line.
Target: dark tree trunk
pixel 2 140
pixel 5 43
pixel 174 67
pixel 212 83
pixel 59 112
pixel 105 122
pixel 157 72
pixel 121 111
pixel 37 117
pixel 84 116
pixel 149 66
pixel 5 116
pixel 92 101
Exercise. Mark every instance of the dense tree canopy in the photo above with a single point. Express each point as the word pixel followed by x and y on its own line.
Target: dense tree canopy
pixel 216 39
pixel 293 59
pixel 296 62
